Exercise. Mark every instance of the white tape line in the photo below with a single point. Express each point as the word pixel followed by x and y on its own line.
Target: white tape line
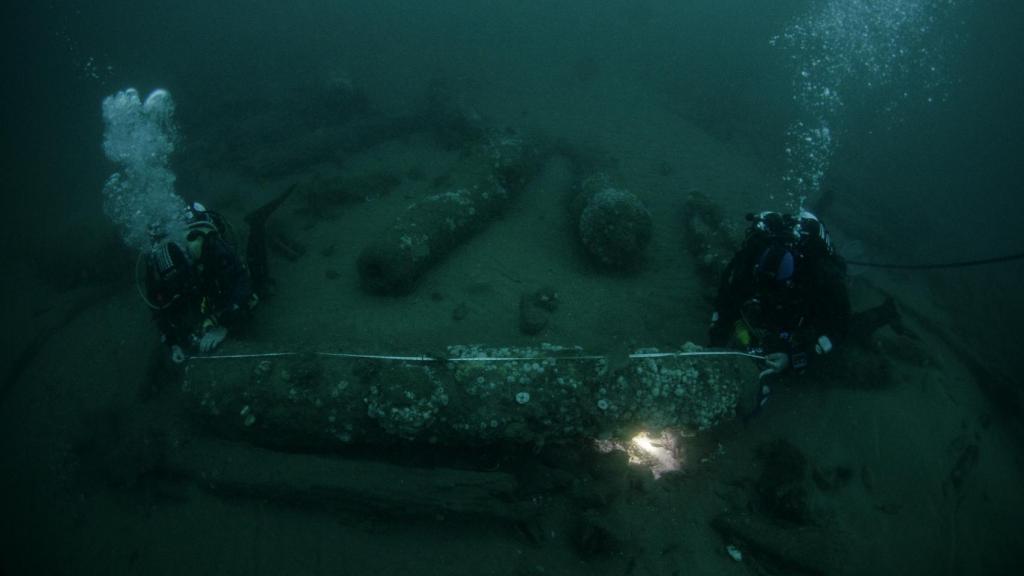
pixel 524 358
pixel 477 359
pixel 683 354
pixel 379 357
pixel 235 356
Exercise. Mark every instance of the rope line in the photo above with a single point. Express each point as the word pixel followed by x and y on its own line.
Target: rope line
pixel 938 266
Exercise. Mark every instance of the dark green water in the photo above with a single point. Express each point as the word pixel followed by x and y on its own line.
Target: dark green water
pixel 898 120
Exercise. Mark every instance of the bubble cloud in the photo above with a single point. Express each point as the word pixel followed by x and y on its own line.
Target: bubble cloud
pixel 845 49
pixel 139 198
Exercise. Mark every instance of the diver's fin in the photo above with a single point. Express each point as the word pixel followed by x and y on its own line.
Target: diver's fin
pixel 864 324
pixel 896 320
pixel 260 215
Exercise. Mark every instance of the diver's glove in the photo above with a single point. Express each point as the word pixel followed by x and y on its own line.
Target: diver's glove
pixel 777 362
pixel 177 354
pixel 823 345
pixel 212 338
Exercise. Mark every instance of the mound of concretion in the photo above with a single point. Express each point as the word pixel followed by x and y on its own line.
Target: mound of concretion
pixel 613 224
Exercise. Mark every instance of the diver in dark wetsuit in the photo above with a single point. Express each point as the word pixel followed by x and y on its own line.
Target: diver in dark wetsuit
pixel 200 291
pixel 784 292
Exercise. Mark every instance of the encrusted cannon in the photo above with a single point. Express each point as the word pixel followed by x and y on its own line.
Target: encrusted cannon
pixel 474 193
pixel 474 395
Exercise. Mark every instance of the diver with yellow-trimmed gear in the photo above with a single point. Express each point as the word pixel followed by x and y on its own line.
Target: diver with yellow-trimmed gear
pixel 202 289
pixel 784 292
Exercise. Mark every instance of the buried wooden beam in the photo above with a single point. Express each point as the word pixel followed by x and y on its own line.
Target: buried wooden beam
pixel 237 470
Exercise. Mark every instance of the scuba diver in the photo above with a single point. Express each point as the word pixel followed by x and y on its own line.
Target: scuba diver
pixel 200 291
pixel 783 294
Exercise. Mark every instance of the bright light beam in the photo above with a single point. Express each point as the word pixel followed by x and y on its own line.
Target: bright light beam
pixel 661 453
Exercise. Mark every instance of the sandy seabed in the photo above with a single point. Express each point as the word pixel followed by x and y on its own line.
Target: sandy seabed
pixel 912 472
